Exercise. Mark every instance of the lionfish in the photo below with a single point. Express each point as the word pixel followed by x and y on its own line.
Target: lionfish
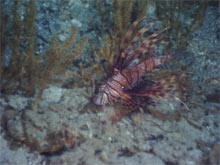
pixel 137 59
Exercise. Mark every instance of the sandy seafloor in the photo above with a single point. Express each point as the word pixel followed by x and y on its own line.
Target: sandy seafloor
pixel 66 130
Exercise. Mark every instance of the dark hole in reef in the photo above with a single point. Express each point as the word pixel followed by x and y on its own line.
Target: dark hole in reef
pixel 213 97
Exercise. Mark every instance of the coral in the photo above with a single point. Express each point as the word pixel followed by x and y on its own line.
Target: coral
pixel 16 70
pixel 26 71
pixel 182 25
pixel 123 15
pixel 59 57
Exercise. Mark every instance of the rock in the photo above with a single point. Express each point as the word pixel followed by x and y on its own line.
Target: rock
pixel 214 156
pixel 62 37
pixel 14 126
pixel 19 156
pixel 42 131
pixel 76 23
pixel 48 127
pixel 143 158
pixel 3 103
pixel 18 102
pixel 180 141
pixel 74 99
pixel 52 94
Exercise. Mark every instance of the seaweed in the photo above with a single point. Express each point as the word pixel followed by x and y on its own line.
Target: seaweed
pixel 18 34
pixel 59 58
pixel 27 72
pixel 182 17
pixel 123 13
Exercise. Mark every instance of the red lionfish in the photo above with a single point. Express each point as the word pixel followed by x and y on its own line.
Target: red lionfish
pixel 124 83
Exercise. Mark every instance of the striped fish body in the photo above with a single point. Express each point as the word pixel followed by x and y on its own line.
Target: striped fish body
pixel 115 87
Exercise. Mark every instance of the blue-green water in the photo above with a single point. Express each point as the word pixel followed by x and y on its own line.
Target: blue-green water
pixel 55 55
